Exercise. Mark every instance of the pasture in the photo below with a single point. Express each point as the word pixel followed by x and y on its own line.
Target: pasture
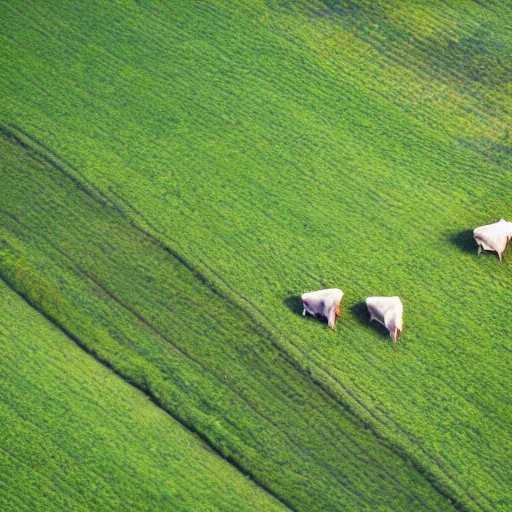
pixel 76 437
pixel 173 177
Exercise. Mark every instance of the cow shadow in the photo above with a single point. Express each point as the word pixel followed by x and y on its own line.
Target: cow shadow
pixel 294 304
pixel 360 311
pixel 464 241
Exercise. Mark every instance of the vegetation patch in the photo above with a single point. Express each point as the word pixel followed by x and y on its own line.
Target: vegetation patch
pixel 177 175
pixel 76 437
pixel 129 302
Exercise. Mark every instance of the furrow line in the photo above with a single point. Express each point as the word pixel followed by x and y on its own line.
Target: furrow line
pixel 204 368
pixel 141 318
pixel 188 426
pixel 369 416
pixel 293 360
pixel 246 306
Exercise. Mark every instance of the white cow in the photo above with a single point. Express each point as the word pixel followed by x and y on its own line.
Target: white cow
pixel 493 237
pixel 323 302
pixel 388 311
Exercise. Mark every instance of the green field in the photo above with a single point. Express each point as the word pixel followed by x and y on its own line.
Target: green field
pixel 174 175
pixel 76 437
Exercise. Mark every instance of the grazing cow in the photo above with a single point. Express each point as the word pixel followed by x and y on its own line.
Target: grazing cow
pixel 387 311
pixel 323 302
pixel 493 237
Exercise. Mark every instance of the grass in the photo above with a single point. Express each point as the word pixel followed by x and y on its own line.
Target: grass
pixel 135 306
pixel 76 437
pixel 252 152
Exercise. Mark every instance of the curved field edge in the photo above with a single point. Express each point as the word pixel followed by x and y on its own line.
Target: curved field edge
pixel 137 308
pixel 76 437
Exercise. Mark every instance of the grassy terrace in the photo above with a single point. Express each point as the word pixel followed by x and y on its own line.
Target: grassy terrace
pixel 174 176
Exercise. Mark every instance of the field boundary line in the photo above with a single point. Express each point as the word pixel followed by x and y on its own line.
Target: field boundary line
pixel 110 366
pixel 399 443
pixel 132 311
pixel 153 398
